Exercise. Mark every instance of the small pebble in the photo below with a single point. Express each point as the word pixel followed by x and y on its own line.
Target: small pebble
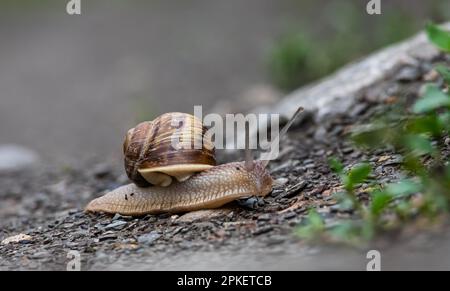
pixel 281 181
pixel 294 189
pixel 431 76
pixel 347 150
pixel 310 166
pixel 320 134
pixel 264 217
pixel 119 224
pixel 107 236
pixel 320 153
pixel 274 240
pixel 149 238
pixel 252 202
pixel 397 159
pixel 20 238
pixel 289 215
pixel 262 230
pixel 358 109
pixel 407 74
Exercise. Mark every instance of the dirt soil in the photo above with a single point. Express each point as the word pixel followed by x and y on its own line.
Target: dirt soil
pixel 256 234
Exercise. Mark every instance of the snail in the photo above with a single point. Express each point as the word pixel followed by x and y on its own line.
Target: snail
pixel 150 158
pixel 198 184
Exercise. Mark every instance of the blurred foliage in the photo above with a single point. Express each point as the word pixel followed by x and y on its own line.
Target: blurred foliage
pixel 439 37
pixel 421 137
pixel 340 32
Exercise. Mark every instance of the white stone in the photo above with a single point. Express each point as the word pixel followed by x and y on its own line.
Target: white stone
pixel 15 157
pixel 16 239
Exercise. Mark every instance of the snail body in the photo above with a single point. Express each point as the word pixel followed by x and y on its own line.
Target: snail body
pixel 211 188
pixel 169 180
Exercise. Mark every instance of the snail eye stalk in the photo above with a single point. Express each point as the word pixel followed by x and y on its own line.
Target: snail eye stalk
pixel 282 133
pixel 249 164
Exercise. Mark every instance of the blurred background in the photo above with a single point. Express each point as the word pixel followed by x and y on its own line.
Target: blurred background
pixel 70 86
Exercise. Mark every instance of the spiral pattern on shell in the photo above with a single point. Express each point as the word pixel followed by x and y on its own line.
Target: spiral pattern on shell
pixel 173 144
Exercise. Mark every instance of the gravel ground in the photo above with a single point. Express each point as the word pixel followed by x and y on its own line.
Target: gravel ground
pixel 46 204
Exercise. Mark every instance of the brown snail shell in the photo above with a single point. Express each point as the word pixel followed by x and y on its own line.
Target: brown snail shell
pixel 150 157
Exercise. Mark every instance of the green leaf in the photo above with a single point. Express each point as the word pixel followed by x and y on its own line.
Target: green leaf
pixel 336 165
pixel 403 188
pixel 433 99
pixel 444 120
pixel 316 220
pixel 419 144
pixel 429 123
pixel 371 135
pixel 306 232
pixel 438 37
pixel 359 173
pixel 380 200
pixel 444 72
pixel 368 230
pixel 447 173
pixel 344 201
pixel 313 227
pixel 404 208
pixel 413 164
pixel 346 232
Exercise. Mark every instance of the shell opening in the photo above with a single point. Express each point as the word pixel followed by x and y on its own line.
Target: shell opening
pixel 162 176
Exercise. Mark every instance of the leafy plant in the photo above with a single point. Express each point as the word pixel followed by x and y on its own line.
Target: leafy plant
pixel 444 72
pixel 439 37
pixel 419 137
pixel 314 227
pixel 347 231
